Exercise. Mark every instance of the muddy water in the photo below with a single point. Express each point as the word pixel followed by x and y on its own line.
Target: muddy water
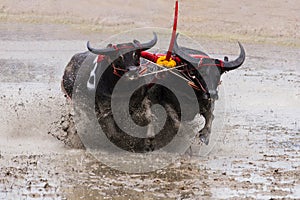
pixel 255 153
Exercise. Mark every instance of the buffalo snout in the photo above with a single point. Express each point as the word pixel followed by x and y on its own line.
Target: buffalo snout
pixel 132 73
pixel 213 94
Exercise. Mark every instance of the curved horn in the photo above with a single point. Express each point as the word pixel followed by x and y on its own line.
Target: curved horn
pixel 105 51
pixel 137 45
pixel 237 62
pixel 146 46
pixel 177 50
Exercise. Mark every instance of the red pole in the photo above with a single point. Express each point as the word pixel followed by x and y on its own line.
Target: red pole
pixel 173 33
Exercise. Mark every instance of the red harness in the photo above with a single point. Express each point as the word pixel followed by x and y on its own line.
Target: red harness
pixel 154 57
pixel 117 71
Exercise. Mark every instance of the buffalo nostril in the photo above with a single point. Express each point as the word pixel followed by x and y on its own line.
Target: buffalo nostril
pixel 213 94
pixel 216 96
pixel 131 75
pixel 205 96
pixel 132 68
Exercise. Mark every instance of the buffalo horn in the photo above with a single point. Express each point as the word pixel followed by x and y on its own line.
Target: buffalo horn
pixel 177 50
pixel 111 50
pixel 237 62
pixel 147 45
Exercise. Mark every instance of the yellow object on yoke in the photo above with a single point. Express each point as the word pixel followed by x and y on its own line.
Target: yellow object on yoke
pixel 166 63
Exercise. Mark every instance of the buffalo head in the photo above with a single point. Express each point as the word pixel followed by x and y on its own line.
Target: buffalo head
pixel 209 69
pixel 125 57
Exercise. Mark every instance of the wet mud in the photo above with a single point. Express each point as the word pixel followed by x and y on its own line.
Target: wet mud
pixel 255 146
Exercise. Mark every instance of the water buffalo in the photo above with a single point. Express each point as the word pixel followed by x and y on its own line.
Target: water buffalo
pixel 113 62
pixel 205 73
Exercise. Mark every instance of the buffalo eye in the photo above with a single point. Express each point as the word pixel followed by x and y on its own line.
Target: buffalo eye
pixel 136 58
pixel 135 55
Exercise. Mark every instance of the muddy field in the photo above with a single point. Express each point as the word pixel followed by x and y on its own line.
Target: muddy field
pixel 255 147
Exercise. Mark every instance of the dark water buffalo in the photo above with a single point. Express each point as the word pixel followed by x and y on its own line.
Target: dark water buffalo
pixel 205 73
pixel 113 62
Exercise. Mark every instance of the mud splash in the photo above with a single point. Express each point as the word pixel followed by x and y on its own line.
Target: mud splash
pixel 256 154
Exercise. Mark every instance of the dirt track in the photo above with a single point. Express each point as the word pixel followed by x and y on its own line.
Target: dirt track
pixel 254 153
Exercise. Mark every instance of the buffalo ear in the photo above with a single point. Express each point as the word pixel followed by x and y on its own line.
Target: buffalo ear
pixel 136 42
